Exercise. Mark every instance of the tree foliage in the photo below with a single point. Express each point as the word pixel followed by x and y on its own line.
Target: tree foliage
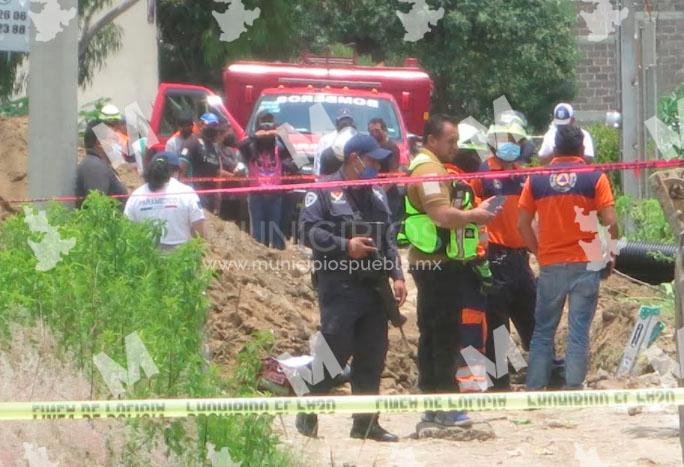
pixel 187 28
pixel 479 50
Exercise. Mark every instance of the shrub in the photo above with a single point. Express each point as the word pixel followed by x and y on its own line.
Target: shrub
pixel 115 281
pixel 607 147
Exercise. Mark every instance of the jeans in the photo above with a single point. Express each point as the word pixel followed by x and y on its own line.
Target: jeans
pixel 581 287
pixel 265 214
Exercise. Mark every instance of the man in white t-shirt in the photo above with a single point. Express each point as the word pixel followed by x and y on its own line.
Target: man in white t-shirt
pixel 563 114
pixel 165 198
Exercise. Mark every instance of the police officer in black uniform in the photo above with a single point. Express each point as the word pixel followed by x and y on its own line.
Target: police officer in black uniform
pixel 354 254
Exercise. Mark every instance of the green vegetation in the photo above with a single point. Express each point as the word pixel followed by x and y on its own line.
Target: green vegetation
pixel 607 144
pixel 647 218
pixel 668 109
pixel 15 108
pixel 115 281
pixel 90 111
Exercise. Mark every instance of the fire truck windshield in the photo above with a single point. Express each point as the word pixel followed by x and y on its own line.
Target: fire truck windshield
pixel 316 113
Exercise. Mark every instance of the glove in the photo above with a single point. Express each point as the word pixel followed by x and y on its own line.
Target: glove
pixel 484 273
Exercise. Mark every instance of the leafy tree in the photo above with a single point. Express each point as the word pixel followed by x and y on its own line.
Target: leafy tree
pixel 189 27
pixel 478 51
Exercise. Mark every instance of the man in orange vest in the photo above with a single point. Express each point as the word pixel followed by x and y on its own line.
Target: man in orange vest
pixel 513 296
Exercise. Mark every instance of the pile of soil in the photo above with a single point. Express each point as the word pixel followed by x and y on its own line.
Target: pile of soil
pixel 13 163
pixel 256 289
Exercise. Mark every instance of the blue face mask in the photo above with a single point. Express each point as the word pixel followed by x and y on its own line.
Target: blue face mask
pixel 508 152
pixel 368 173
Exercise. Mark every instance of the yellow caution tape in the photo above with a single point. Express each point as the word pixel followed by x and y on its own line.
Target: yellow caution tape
pixel 175 408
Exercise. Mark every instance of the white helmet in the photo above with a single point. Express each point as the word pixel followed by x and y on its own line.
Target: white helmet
pixel 110 113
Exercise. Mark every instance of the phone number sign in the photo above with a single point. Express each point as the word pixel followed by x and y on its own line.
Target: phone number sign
pixel 14 25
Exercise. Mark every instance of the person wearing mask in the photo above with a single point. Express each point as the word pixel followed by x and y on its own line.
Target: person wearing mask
pixel 204 160
pixel 95 172
pixel 377 128
pixel 564 267
pixel 527 147
pixel 267 160
pixel 564 115
pixel 442 227
pixel 329 154
pixel 351 226
pixel 184 130
pixel 165 199
pixel 512 297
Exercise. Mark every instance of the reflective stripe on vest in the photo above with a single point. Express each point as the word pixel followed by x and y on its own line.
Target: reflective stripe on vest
pixel 472 378
pixel 421 232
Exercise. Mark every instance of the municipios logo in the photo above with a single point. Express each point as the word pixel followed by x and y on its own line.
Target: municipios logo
pixel 234 21
pixel 419 20
pixel 604 20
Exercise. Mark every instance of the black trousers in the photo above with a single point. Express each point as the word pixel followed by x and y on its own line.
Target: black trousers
pixel 354 324
pixel 443 296
pixel 513 298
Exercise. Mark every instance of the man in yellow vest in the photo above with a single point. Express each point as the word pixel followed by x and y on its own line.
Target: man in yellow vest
pixel 442 227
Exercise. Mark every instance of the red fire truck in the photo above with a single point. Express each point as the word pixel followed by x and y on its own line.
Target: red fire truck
pixel 307 96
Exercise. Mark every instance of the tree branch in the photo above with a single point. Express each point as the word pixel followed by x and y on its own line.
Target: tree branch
pixel 88 34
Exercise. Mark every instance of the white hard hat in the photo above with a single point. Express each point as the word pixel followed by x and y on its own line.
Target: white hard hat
pixel 110 112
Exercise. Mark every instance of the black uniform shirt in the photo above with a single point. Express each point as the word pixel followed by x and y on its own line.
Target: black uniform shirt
pixel 325 220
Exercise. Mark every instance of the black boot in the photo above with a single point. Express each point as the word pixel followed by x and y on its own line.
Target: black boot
pixel 367 427
pixel 307 424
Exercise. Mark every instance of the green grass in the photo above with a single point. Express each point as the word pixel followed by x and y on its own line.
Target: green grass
pixel 648 220
pixel 115 281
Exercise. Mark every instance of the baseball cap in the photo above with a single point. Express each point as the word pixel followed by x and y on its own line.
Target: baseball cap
pixel 169 157
pixel 366 145
pixel 210 119
pixel 562 114
pixel 343 113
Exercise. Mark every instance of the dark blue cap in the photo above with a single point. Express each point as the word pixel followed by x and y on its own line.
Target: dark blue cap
pixel 344 112
pixel 365 145
pixel 169 157
pixel 210 119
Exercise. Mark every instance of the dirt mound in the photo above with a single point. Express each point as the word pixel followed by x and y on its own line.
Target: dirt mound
pixel 13 162
pixel 257 289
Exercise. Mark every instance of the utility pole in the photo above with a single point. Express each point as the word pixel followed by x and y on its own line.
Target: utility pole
pixel 629 80
pixel 53 110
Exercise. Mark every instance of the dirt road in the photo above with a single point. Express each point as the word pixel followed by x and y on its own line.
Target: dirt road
pixel 585 438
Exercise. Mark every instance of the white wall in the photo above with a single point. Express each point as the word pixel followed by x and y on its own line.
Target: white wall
pixel 131 74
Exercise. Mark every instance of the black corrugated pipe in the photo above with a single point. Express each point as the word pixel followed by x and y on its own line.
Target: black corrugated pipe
pixel 649 262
